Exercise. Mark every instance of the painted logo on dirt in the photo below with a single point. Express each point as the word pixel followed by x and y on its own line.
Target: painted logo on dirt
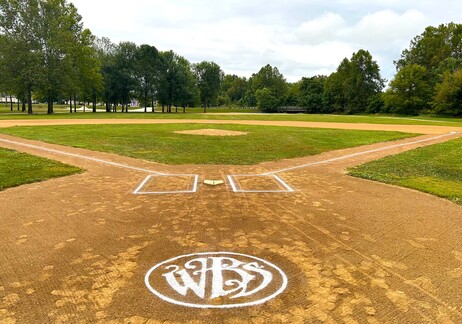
pixel 216 280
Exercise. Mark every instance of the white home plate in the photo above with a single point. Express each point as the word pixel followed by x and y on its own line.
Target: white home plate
pixel 216 280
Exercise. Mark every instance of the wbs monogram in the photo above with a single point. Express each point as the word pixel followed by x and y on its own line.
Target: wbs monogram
pixel 216 280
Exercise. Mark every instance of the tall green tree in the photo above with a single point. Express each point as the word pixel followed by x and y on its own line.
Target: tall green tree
pixel 311 94
pixel 356 81
pixel 59 29
pixel 448 98
pixel 409 92
pixel 147 68
pixel 209 77
pixel 20 50
pixel 269 77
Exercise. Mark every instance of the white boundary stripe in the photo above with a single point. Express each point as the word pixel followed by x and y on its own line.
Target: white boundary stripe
pixel 356 154
pixel 81 157
pixel 277 178
pixel 137 190
pixel 193 190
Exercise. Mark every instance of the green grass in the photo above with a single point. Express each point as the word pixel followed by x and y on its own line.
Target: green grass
pixel 159 142
pixel 61 112
pixel 435 169
pixel 19 168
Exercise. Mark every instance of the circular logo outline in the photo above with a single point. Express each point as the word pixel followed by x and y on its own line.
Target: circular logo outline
pixel 176 302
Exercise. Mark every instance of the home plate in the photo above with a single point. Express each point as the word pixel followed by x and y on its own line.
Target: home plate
pixel 213 182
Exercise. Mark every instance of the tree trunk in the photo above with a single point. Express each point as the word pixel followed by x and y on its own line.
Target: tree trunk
pixel 18 102
pixel 176 109
pixel 94 103
pixel 11 103
pixel 24 105
pixel 70 104
pixel 184 109
pixel 108 109
pixel 152 103
pixel 50 103
pixel 163 108
pixel 29 101
pixel 75 103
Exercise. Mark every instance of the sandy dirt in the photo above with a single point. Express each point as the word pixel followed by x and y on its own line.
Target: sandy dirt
pixel 418 129
pixel 78 248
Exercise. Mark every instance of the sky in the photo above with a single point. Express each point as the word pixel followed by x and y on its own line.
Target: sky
pixel 302 38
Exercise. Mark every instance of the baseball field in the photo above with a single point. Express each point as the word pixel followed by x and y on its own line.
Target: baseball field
pixel 230 219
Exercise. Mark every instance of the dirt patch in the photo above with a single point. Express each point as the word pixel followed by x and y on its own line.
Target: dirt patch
pixel 211 132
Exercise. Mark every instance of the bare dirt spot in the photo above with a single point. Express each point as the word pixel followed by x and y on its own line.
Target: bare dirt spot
pixel 211 132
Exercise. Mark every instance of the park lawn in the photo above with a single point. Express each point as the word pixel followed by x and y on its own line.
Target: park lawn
pixel 20 168
pixel 435 169
pixel 159 142
pixel 246 114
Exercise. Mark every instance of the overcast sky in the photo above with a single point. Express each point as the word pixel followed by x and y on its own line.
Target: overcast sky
pixel 302 38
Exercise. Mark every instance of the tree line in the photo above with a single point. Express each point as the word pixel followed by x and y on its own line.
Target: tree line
pixel 47 55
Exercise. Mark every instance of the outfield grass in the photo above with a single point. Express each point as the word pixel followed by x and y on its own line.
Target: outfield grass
pixel 159 142
pixel 435 169
pixel 246 114
pixel 19 168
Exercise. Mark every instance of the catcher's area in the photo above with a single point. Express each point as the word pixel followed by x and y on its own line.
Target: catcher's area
pixel 292 241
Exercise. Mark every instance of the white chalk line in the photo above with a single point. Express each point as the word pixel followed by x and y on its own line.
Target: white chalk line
pixel 193 189
pixel 81 157
pixel 278 179
pixel 357 154
pixel 120 165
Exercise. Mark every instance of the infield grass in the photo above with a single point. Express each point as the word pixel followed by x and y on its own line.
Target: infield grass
pixel 20 168
pixel 435 169
pixel 159 142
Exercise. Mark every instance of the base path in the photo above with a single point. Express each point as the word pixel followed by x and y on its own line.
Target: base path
pixel 419 129
pixel 336 249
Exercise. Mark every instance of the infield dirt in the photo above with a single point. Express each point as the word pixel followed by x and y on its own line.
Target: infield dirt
pixel 78 248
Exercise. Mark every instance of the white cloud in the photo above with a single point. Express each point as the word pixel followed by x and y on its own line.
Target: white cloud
pixel 301 38
pixel 320 29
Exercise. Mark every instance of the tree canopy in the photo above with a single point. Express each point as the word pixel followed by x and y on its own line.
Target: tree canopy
pixel 47 55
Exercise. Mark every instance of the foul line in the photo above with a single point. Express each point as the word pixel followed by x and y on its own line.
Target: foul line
pixel 82 157
pixel 356 154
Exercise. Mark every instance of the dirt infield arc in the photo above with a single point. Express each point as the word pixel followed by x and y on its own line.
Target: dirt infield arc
pixel 79 247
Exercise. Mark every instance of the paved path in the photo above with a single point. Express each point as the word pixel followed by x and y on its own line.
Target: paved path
pixel 79 247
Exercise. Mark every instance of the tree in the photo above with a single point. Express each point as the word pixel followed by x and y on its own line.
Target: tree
pixel 233 89
pixel 409 91
pixel 355 82
pixel 105 52
pixel 270 78
pixel 266 100
pixel 186 91
pixel 448 98
pixel 123 74
pixel 432 48
pixel 147 73
pixel 20 55
pixel 209 77
pixel 311 95
pixel 59 29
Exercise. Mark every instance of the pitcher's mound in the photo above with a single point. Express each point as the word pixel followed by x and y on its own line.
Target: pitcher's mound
pixel 211 132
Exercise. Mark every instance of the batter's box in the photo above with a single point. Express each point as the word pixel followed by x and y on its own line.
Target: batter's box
pixel 258 183
pixel 168 184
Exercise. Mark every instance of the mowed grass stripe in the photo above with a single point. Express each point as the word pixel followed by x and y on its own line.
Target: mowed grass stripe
pixel 435 169
pixel 159 142
pixel 20 168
